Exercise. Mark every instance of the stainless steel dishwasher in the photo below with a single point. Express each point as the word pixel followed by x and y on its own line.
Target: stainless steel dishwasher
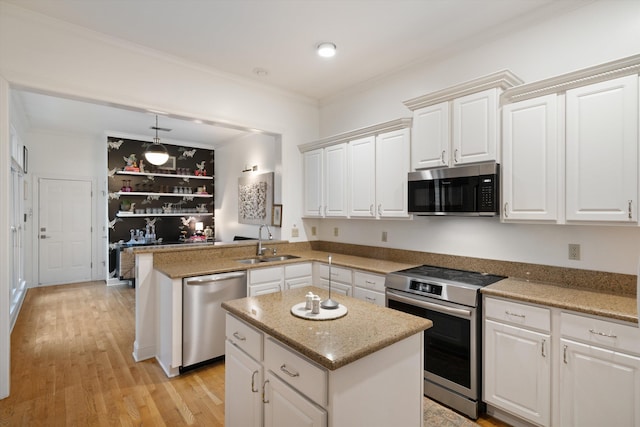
pixel 203 324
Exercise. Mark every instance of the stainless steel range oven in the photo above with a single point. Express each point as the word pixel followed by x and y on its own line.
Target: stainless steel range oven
pixel 452 347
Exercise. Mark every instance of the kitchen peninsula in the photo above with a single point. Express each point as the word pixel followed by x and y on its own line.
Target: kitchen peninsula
pixel 162 268
pixel 354 368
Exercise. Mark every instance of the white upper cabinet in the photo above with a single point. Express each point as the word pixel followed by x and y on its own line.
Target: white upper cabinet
pixel 474 135
pixel 313 182
pixel 458 125
pixel 570 147
pixel 359 174
pixel 325 181
pixel 335 180
pixel 392 167
pixel 362 177
pixel 430 145
pixel 530 160
pixel 602 151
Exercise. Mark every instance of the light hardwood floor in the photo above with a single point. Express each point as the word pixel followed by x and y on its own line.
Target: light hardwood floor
pixel 71 365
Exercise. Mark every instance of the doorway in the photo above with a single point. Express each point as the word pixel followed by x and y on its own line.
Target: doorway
pixel 64 231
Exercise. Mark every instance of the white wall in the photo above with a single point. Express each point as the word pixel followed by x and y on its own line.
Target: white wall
pixel 60 155
pixel 599 32
pixel 230 160
pixel 40 53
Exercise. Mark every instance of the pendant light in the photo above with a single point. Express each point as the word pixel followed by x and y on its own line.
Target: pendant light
pixel 156 154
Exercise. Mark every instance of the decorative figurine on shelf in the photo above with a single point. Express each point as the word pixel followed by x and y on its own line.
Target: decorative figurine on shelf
pixel 201 171
pixel 141 166
pixel 131 163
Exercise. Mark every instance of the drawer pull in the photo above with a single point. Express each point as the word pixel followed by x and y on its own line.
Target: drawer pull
pixel 369 282
pixel 543 353
pixel 264 387
pixel 253 382
pixel 508 313
pixel 602 334
pixel 238 336
pixel 564 354
pixel 370 299
pixel 292 374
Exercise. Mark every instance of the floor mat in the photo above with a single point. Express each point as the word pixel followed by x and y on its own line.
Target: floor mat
pixel 436 415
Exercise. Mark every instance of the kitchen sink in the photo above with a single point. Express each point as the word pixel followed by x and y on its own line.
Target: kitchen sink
pixel 258 260
pixel 279 258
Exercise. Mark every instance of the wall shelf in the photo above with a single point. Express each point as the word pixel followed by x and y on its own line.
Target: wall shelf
pixel 145 193
pixel 135 215
pixel 167 175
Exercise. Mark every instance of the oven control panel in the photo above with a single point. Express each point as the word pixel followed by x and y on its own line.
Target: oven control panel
pixel 426 287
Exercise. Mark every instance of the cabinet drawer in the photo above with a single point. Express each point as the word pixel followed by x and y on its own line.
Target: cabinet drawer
pixel 518 314
pixel 298 270
pixel 244 336
pixel 368 295
pixel 301 374
pixel 263 275
pixel 336 287
pixel 369 281
pixel 600 332
pixel 337 273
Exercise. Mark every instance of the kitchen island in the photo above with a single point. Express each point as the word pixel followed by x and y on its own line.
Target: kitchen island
pixel 365 368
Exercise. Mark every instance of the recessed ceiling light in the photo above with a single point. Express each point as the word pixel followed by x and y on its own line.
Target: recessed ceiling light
pixel 326 50
pixel 260 72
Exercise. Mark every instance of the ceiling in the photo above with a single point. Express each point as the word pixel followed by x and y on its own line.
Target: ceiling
pixel 375 38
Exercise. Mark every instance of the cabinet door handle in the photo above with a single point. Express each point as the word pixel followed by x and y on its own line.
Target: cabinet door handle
pixel 602 334
pixel 264 387
pixel 564 354
pixel 238 336
pixel 254 389
pixel 630 201
pixel 325 211
pixel 371 210
pixel 286 370
pixel 380 209
pixel 508 313
pixel 543 353
pixel 506 209
pixel 455 156
pixel 442 156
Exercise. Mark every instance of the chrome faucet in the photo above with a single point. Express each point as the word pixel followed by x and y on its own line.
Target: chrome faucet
pixel 260 248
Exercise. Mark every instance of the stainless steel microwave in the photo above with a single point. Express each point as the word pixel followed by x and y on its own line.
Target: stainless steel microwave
pixel 472 190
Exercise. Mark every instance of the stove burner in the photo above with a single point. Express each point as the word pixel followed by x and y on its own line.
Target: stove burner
pixel 461 276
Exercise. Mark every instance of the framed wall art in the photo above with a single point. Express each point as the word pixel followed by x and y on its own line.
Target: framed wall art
pixel 255 199
pixel 276 216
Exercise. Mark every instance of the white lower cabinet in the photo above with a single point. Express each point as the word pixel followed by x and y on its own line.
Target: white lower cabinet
pixel 341 281
pixel 262 281
pixel 517 360
pixel 369 287
pixel 599 377
pixel 596 363
pixel 286 407
pixel 298 275
pixel 243 388
pixel 244 374
pixel 285 389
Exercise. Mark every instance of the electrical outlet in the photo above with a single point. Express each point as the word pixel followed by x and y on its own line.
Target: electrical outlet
pixel 384 236
pixel 574 251
pixel 294 232
pixel 313 230
pixel 335 232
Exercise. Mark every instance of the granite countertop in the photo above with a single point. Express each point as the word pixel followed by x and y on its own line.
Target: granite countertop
pixel 365 329
pixel 620 307
pixel 179 270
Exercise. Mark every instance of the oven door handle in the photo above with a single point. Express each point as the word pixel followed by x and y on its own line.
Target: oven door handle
pixel 460 312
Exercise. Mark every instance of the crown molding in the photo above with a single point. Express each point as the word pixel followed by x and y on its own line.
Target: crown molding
pixel 503 80
pixel 607 71
pixel 355 134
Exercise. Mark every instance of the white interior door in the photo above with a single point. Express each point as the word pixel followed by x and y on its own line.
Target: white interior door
pixel 64 231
